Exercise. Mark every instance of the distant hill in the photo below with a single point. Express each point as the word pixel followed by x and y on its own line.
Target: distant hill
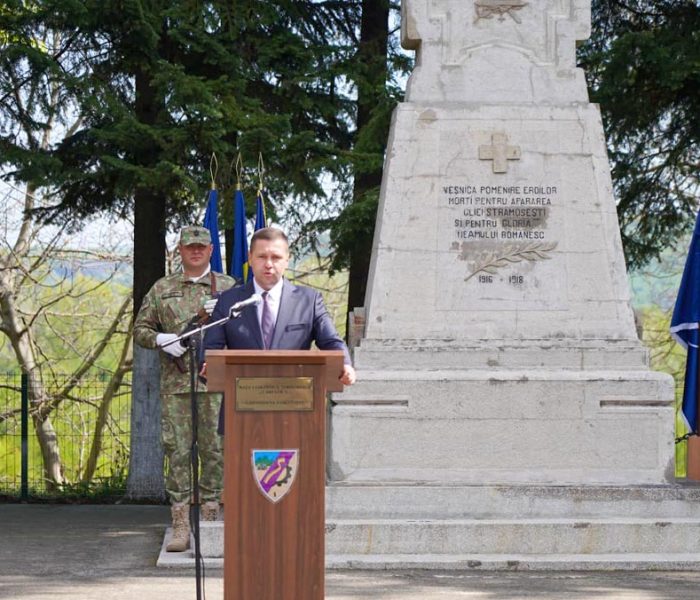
pixel 96 269
pixel 657 284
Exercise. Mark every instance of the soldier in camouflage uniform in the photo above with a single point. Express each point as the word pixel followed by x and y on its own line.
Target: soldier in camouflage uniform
pixel 170 305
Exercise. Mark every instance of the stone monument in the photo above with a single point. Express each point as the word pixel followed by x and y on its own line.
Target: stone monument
pixel 499 342
pixel 499 358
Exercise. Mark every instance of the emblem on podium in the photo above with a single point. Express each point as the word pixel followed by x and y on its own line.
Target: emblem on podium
pixel 274 471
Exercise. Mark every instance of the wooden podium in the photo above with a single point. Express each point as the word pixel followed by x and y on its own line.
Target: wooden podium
pixel 274 469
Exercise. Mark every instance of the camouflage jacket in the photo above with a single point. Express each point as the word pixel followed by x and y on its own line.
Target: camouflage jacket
pixel 168 307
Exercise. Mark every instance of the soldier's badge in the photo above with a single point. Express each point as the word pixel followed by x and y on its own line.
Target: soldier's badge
pixel 274 471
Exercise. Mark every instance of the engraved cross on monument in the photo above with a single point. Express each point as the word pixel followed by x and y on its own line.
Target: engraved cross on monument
pixel 499 344
pixel 499 152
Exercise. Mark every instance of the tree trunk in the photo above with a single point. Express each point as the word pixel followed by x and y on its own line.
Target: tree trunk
pixel 48 442
pixel 372 55
pixel 19 336
pixel 146 456
pixel 115 383
pixel 45 433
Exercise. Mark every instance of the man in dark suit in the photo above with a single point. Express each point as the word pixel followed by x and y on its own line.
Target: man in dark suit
pixel 290 317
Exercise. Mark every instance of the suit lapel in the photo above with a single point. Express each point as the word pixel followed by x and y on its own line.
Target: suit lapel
pixel 288 301
pixel 250 317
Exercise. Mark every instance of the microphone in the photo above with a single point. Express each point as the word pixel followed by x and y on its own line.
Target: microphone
pixel 239 306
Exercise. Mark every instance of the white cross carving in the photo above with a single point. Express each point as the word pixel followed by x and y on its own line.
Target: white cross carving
pixel 499 152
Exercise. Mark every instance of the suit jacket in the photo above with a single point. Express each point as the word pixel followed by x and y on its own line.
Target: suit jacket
pixel 302 318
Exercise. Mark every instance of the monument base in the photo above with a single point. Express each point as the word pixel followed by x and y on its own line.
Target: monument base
pixel 537 412
pixel 527 455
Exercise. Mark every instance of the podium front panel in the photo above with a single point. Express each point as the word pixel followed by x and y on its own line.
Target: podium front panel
pixel 274 478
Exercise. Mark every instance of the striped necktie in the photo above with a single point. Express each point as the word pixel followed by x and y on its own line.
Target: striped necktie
pixel 267 324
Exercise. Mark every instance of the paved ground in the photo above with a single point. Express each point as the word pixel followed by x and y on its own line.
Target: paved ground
pixel 109 552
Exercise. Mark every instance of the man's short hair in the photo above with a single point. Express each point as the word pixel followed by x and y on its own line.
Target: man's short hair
pixel 269 234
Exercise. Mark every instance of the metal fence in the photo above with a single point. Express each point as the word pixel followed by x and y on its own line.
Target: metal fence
pixel 61 437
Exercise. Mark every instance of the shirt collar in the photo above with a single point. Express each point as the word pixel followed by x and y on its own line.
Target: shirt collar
pixel 198 279
pixel 274 293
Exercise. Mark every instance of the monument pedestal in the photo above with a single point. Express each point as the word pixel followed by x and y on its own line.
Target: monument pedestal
pixel 500 358
pixel 547 413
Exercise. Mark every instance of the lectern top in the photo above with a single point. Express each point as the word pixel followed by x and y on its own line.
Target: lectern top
pixel 219 361
pixel 282 357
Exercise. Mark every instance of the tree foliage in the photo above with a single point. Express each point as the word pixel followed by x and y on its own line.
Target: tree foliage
pixel 376 72
pixel 158 87
pixel 643 67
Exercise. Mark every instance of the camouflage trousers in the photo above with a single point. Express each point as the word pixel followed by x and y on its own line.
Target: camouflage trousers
pixel 176 434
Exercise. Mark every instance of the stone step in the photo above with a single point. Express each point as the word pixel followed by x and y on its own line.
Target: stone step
pixel 479 562
pixel 518 562
pixel 503 527
pixel 419 501
pixel 427 354
pixel 452 537
pixel 505 537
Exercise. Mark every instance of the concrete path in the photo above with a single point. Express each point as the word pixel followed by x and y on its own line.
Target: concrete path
pixel 49 552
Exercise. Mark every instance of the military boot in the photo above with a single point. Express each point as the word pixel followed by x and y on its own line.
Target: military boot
pixel 210 511
pixel 180 539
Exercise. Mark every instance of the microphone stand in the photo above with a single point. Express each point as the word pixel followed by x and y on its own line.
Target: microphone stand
pixel 193 349
pixel 194 344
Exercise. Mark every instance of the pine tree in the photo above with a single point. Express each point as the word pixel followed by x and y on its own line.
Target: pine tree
pixel 376 70
pixel 643 67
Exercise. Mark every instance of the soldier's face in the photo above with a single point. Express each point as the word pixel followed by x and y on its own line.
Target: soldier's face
pixel 269 260
pixel 195 257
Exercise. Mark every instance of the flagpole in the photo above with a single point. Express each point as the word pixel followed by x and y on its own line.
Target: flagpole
pixel 211 218
pixel 239 266
pixel 260 215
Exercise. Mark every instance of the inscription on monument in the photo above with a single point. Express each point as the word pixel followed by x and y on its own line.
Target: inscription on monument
pixel 499 236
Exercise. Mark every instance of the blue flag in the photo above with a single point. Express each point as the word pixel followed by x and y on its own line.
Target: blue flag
pixel 239 266
pixel 260 218
pixel 684 328
pixel 211 222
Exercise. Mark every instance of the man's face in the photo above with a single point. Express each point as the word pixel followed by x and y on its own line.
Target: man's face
pixel 195 257
pixel 269 260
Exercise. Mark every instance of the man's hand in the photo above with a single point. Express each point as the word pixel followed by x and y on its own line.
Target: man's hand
pixel 348 376
pixel 209 305
pixel 176 349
